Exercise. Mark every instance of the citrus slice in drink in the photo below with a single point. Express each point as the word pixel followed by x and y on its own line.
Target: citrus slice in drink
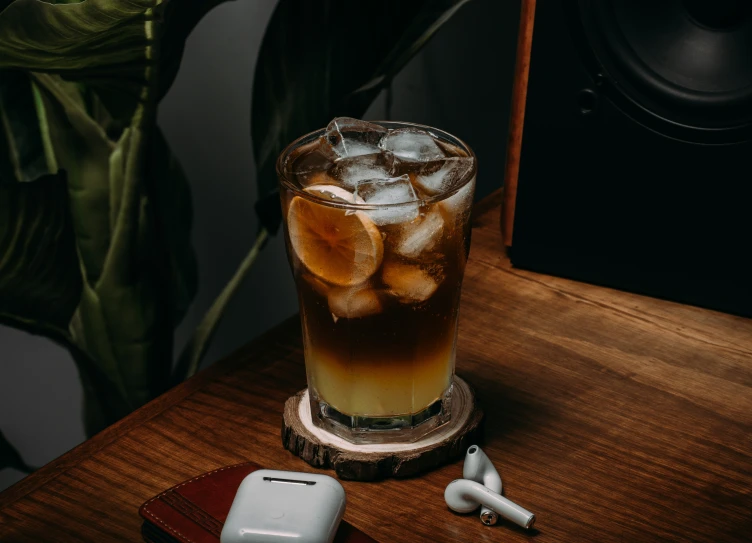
pixel 333 192
pixel 339 247
pixel 319 179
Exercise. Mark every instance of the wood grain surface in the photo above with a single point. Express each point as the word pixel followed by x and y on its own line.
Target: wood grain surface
pixel 613 417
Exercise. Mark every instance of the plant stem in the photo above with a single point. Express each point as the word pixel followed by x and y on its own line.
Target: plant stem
pixel 198 344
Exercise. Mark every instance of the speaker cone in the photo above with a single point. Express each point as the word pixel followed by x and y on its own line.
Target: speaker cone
pixel 681 67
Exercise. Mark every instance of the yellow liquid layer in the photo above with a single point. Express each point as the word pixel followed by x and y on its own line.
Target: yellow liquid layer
pixel 378 387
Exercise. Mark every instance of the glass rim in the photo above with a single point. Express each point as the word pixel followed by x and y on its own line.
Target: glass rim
pixel 435 132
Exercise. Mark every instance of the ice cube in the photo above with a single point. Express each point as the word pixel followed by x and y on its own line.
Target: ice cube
pixel 353 302
pixel 352 170
pixel 441 175
pixel 395 194
pixel 408 283
pixel 347 137
pixel 419 236
pixel 312 157
pixel 461 200
pixel 412 145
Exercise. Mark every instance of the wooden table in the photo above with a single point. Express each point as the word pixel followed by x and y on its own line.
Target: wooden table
pixel 613 417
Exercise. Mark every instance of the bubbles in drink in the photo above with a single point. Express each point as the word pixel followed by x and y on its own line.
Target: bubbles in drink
pixel 412 144
pixel 460 201
pixel 347 137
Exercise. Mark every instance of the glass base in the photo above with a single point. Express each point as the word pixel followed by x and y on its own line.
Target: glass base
pixel 389 429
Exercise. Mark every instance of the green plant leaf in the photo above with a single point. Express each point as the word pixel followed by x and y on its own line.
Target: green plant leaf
pixel 122 321
pixel 326 58
pixel 115 47
pixel 91 39
pixel 93 72
pixel 60 226
pixel 39 275
pixel 9 457
pixel 23 125
pixel 83 150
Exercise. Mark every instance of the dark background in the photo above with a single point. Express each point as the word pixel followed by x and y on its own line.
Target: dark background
pixel 461 82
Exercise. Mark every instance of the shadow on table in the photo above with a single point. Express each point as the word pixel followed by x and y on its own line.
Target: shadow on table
pixel 507 409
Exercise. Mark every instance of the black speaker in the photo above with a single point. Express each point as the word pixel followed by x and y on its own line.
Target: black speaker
pixel 630 156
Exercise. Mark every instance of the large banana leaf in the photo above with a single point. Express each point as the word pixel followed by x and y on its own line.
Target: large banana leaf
pixel 121 49
pixel 40 280
pixel 123 321
pixel 126 267
pixel 22 137
pixel 95 39
pixel 326 58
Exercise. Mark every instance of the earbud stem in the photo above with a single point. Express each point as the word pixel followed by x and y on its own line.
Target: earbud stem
pixel 463 495
pixel 508 509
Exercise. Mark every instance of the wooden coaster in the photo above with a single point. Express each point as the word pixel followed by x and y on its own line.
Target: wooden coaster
pixel 359 462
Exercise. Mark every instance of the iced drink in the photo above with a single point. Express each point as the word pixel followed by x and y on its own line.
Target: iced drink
pixel 377 231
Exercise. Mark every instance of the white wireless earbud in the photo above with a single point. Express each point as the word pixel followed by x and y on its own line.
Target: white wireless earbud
pixel 482 486
pixel 478 468
pixel 464 496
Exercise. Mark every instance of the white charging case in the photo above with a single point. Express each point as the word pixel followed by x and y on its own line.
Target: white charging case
pixel 272 506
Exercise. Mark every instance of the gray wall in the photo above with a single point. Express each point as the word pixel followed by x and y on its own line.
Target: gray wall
pixel 461 83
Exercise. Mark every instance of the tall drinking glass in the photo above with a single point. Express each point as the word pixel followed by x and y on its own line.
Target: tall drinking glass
pixel 377 229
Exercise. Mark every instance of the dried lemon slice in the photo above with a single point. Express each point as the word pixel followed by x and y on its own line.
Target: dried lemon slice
pixel 318 179
pixel 342 249
pixel 333 192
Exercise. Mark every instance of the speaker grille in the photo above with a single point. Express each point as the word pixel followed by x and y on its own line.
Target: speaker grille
pixel 682 68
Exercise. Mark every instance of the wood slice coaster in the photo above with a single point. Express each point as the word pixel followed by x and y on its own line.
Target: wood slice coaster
pixel 360 462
